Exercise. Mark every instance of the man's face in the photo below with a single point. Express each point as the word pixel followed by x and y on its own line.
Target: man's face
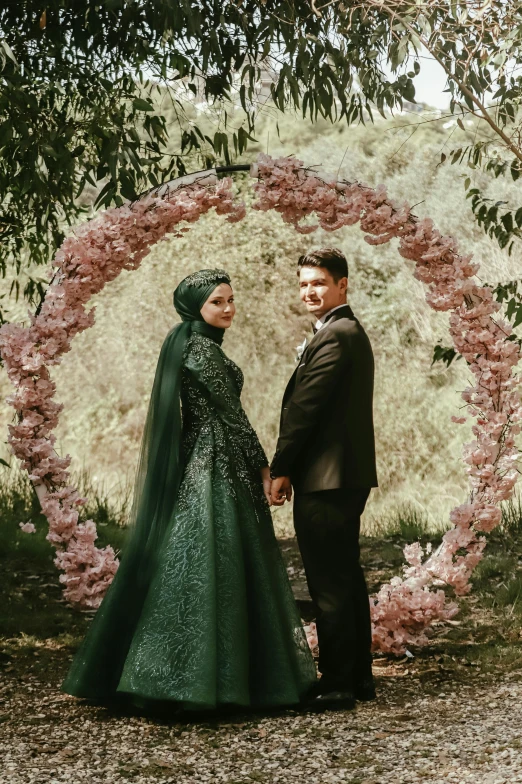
pixel 319 291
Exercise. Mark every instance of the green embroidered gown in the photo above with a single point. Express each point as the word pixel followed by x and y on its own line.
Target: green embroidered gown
pixel 218 624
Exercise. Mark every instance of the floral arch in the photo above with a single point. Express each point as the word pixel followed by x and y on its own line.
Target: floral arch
pixel 121 237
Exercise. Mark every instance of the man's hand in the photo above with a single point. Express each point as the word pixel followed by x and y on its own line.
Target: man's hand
pixel 281 490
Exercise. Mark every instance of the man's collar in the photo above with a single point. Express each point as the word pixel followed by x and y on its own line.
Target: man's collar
pixel 322 321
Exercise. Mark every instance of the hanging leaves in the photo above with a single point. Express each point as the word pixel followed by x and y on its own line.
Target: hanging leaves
pixel 96 97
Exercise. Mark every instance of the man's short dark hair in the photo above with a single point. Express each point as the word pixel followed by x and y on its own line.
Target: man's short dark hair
pixel 332 259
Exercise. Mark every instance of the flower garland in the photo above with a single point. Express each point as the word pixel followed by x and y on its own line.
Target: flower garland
pixel 120 238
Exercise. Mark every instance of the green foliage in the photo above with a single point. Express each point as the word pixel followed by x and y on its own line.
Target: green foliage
pixel 509 594
pixel 86 88
pixel 510 294
pixel 505 226
pixel 492 569
pixel 496 217
pixel 444 354
pixel 498 574
pixel 511 525
pixel 19 504
pixel 479 46
pixel 95 99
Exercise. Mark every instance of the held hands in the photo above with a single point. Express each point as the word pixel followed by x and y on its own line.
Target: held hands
pixel 281 490
pixel 276 491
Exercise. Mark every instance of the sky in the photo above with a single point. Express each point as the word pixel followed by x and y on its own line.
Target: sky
pixel 430 83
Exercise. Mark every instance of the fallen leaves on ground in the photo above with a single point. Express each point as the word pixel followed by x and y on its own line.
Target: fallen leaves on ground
pixel 441 728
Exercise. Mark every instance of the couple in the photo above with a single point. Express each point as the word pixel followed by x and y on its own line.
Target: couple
pixel 200 612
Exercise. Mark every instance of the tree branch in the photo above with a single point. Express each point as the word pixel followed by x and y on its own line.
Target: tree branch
pixel 383 6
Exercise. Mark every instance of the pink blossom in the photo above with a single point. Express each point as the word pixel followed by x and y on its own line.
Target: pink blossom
pixel 311 635
pixel 28 528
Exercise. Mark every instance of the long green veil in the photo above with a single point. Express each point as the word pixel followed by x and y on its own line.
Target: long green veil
pixel 158 477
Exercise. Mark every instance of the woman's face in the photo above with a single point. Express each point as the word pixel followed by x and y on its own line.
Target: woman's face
pixel 219 309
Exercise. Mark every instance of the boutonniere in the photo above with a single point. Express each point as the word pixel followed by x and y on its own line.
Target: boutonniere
pixel 300 350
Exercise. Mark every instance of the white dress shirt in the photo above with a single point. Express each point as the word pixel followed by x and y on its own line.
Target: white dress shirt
pixel 320 322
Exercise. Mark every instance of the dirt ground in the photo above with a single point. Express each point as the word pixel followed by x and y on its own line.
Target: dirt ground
pixel 438 725
pixel 449 713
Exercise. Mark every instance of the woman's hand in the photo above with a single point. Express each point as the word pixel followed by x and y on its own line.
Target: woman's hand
pixel 267 484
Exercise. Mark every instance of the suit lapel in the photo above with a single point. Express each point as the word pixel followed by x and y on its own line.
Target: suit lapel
pixel 343 312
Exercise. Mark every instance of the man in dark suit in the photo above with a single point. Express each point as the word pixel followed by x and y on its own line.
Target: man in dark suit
pixel 326 452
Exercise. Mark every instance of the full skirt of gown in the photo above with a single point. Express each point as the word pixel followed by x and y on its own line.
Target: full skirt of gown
pixel 217 624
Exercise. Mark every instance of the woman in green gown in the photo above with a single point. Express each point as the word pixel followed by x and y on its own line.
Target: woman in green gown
pixel 200 611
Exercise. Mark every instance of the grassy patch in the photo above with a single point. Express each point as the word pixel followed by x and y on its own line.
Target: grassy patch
pixel 492 570
pixel 511 524
pixel 407 523
pixel 509 594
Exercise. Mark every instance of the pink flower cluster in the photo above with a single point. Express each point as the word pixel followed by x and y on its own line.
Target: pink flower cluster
pixel 92 256
pixel 311 637
pixel 403 610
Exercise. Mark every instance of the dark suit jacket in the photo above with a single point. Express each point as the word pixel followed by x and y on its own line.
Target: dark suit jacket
pixel 326 438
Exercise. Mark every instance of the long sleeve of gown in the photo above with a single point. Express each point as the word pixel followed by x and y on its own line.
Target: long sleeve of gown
pixel 205 363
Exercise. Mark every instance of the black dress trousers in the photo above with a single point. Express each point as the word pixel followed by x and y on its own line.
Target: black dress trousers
pixel 327 525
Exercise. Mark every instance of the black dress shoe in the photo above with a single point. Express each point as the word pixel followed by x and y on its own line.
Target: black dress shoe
pixel 332 700
pixel 364 690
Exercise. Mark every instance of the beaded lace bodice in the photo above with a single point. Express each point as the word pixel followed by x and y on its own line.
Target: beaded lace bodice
pixel 210 396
